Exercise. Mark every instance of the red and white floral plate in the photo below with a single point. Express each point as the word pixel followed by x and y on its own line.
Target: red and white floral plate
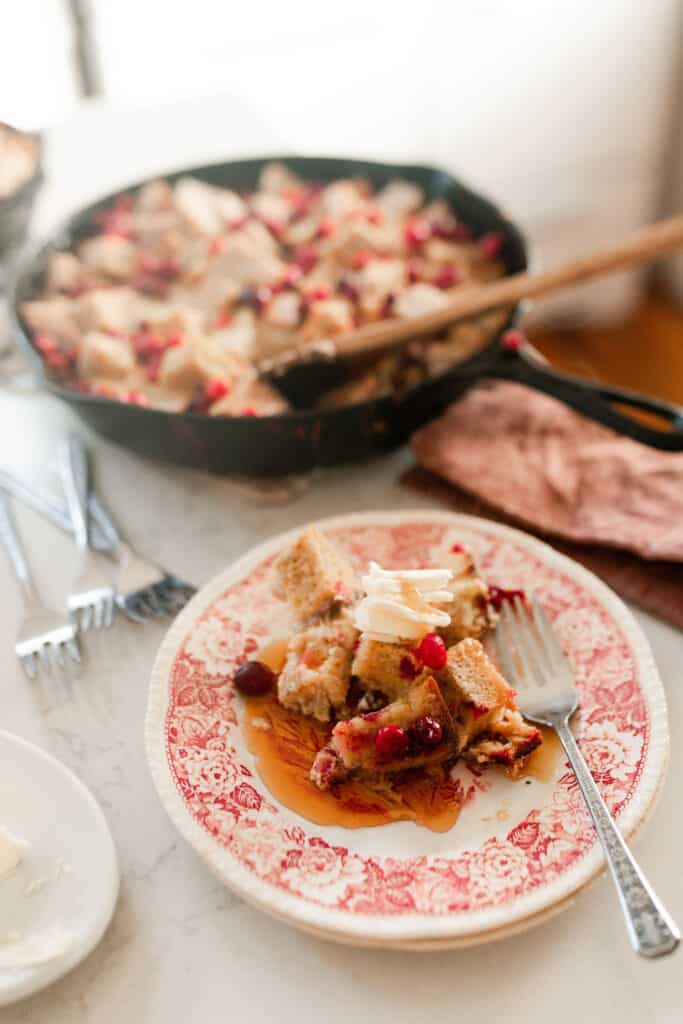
pixel 517 853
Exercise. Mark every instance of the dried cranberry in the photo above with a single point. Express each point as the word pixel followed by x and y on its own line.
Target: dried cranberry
pixel 215 389
pixel 426 731
pixel 513 341
pixel 456 549
pixel 417 231
pixel 318 294
pixel 327 227
pixel 432 651
pixel 361 259
pixel 447 277
pixel 253 678
pixel 499 595
pixel 349 291
pixel 135 397
pixel 223 320
pixel 305 257
pixel 248 411
pixel 391 742
pixel 372 700
pixel 413 272
pixel 451 231
pixel 491 244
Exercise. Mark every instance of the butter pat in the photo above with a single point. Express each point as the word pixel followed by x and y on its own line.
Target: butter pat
pixel 402 604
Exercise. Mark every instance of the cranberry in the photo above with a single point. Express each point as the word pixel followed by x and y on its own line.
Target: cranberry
pixel 407 668
pixel 391 741
pixel 215 389
pixel 417 231
pixel 216 247
pixel 499 595
pixel 447 277
pixel 290 275
pixel 491 244
pixel 451 231
pixel 432 651
pixel 513 341
pixel 253 678
pixel 427 731
pixel 46 343
pixel 249 411
pixel 413 272
pixel 223 320
pixel 305 257
pixel 135 397
pixel 374 215
pixel 456 549
pixel 327 227
pixel 318 294
pixel 345 288
pixel 361 259
pixel 372 700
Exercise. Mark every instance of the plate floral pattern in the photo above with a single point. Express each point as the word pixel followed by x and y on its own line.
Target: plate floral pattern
pixel 401 890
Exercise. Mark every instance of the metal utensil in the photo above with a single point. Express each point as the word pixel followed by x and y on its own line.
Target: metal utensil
pixel 537 667
pixel 44 635
pixel 142 585
pixel 92 598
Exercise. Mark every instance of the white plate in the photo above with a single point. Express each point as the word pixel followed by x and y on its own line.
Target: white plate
pixel 517 852
pixel 55 906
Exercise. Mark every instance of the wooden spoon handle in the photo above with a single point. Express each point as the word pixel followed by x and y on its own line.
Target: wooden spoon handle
pixel 644 246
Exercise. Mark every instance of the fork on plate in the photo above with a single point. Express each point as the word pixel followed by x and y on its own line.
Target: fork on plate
pixel 143 589
pixel 537 667
pixel 92 599
pixel 44 636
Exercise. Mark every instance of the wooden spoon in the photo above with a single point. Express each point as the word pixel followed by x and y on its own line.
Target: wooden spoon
pixel 645 246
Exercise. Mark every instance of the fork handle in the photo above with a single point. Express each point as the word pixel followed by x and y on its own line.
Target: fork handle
pixel 73 469
pixel 651 930
pixel 12 545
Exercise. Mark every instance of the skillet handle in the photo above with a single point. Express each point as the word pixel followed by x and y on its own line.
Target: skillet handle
pixel 513 359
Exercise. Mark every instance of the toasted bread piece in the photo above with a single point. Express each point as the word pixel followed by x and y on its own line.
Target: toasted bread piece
pixel 392 668
pixel 317 672
pixel 353 747
pixel 101 355
pixel 313 575
pixel 473 689
pixel 470 612
pixel 508 740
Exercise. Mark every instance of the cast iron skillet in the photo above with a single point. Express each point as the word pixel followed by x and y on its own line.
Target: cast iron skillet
pixel 298 441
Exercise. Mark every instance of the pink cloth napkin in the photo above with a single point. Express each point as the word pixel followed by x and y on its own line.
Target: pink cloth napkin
pixel 533 461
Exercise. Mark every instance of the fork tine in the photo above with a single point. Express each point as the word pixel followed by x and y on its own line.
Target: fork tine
pixel 85 618
pixel 28 663
pixel 551 644
pixel 44 657
pixel 109 608
pixel 523 640
pixel 131 611
pixel 57 653
pixel 98 614
pixel 506 646
pixel 73 648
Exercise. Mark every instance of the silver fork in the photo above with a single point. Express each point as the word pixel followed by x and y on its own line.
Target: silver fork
pixel 92 599
pixel 143 588
pixel 537 667
pixel 44 635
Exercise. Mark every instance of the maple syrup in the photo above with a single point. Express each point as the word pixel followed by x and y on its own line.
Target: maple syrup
pixel 542 762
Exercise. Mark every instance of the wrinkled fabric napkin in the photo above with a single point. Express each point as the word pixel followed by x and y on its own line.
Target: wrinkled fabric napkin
pixel 528 459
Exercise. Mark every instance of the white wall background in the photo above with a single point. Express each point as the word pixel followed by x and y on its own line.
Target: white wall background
pixel 562 110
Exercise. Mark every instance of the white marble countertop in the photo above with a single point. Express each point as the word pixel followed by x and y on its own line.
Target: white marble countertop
pixel 181 947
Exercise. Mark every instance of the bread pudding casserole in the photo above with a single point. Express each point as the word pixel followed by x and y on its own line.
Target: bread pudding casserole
pixel 184 290
pixel 394 666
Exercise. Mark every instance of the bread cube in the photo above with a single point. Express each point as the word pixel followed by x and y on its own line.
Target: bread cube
pixel 64 272
pixel 391 668
pixel 101 355
pixel 195 201
pixel 110 255
pixel 473 689
pixel 327 318
pixel 250 396
pixel 317 672
pixel 110 309
pixel 399 198
pixel 419 299
pixel 58 316
pixel 470 612
pixel 314 575
pixel 508 740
